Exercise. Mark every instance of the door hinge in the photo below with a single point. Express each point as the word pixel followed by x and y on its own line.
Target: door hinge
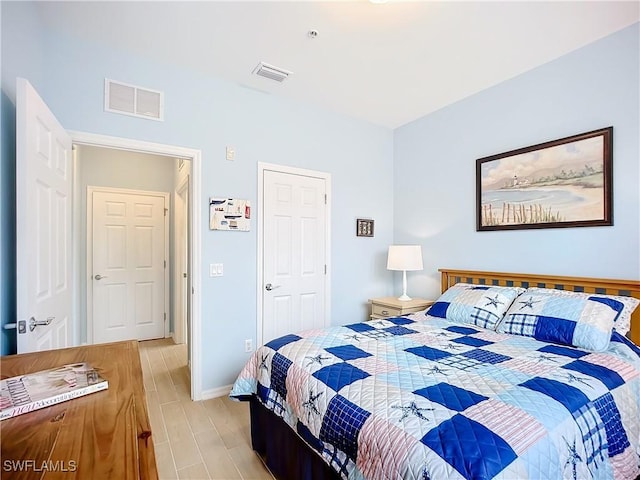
pixel 165 211
pixel 325 198
pixel 325 269
pixel 165 264
pixel 165 316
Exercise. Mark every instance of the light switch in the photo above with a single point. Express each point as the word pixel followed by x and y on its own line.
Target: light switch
pixel 216 269
pixel 231 153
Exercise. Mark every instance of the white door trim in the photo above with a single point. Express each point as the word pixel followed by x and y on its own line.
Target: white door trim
pixel 178 327
pixel 195 156
pixel 262 167
pixel 89 273
pixel 75 238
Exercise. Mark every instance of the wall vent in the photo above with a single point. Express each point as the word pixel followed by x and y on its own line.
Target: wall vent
pixel 133 100
pixel 272 73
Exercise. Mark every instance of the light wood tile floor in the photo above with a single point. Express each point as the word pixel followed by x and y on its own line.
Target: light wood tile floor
pixel 194 440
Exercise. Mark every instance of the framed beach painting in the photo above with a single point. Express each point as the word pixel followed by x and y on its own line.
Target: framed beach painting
pixel 562 183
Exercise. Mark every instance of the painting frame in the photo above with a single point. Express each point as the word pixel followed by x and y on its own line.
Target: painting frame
pixel 583 197
pixel 364 227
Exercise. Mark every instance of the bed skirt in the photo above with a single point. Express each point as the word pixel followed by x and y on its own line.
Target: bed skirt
pixel 283 451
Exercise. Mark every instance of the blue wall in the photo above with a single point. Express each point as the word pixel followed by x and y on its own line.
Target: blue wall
pixel 423 173
pixel 208 114
pixel 434 167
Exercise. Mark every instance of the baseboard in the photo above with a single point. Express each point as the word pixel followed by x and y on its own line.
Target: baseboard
pixel 216 392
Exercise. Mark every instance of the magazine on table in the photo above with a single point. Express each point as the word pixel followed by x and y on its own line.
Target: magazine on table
pixel 25 393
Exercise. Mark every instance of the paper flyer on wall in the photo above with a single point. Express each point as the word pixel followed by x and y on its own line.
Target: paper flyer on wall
pixel 229 214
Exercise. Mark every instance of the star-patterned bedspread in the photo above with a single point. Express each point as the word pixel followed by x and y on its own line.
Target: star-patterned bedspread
pixel 419 397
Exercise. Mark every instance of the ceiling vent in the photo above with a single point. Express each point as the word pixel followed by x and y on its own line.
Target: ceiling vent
pixel 133 100
pixel 273 73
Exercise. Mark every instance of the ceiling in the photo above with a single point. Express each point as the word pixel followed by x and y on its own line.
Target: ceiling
pixel 384 63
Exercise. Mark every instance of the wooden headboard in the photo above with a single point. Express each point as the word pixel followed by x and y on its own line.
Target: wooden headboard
pixel 628 288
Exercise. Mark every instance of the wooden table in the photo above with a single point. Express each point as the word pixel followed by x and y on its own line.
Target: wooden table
pixel 100 435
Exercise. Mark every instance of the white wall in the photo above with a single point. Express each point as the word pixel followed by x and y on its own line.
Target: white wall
pixel 106 167
pixel 434 167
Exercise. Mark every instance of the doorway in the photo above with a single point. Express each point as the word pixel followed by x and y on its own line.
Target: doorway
pixel 186 185
pixel 126 220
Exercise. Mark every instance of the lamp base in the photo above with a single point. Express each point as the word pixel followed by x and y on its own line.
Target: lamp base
pixel 404 297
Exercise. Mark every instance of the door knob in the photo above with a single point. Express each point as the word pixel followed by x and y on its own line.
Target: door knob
pixel 270 287
pixel 33 323
pixel 100 277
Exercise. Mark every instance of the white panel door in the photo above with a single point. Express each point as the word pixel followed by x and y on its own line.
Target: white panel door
pixel 294 260
pixel 43 225
pixel 128 280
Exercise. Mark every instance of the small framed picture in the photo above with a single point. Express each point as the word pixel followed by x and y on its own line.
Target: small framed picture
pixel 364 227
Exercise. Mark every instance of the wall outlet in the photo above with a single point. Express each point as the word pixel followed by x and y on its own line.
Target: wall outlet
pixel 248 345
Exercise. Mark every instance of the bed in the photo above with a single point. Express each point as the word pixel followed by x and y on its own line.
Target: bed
pixel 505 376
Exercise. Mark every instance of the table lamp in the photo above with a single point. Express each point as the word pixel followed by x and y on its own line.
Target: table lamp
pixel 404 257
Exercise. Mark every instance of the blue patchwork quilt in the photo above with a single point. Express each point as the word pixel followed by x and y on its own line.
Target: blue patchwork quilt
pixel 419 397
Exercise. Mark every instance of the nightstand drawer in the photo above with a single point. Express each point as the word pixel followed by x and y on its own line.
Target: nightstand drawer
pixel 384 311
pixel 392 307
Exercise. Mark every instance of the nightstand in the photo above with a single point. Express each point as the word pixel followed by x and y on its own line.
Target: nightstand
pixel 392 307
